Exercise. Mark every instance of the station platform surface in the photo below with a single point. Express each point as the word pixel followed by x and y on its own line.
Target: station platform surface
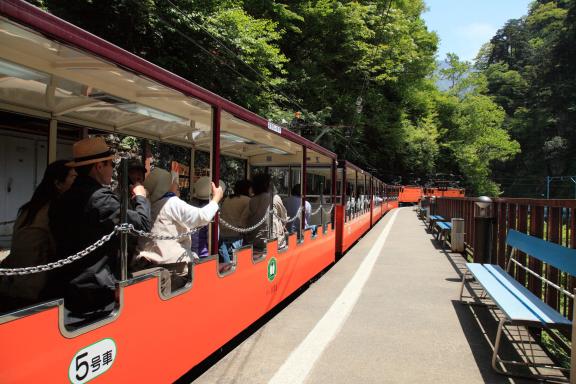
pixel 387 312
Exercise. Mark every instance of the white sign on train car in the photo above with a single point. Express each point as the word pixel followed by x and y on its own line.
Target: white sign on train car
pixel 274 127
pixel 92 361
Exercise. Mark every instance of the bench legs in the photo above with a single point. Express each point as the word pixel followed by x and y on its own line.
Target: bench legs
pixel 443 237
pixel 496 360
pixel 474 302
pixel 467 273
pixel 498 364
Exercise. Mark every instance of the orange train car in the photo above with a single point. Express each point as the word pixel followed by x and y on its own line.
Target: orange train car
pixel 357 211
pixel 410 194
pixel 96 88
pixel 444 192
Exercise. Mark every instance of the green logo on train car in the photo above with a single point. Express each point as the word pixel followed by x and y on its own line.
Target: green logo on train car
pixel 272 269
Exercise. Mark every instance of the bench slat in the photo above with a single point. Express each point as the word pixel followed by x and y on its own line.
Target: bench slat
pixel 444 225
pixel 556 255
pixel 542 310
pixel 515 300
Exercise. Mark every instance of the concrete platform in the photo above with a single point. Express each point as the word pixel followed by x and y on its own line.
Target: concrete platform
pixel 404 325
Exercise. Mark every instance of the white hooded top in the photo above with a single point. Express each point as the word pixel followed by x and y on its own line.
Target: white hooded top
pixel 170 216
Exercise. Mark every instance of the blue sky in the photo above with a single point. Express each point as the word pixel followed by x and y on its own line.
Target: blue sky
pixel 464 25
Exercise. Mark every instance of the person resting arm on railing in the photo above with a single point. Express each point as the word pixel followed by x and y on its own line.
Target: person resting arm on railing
pixel 171 217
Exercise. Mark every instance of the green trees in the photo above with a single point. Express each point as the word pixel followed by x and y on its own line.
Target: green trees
pixel 361 73
pixel 472 136
pixel 530 68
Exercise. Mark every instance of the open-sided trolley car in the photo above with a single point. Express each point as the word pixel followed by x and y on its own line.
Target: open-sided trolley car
pixel 59 84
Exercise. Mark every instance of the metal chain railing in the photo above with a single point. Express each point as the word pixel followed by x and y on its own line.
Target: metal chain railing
pixel 313 213
pixel 244 230
pixel 328 210
pixel 62 262
pixel 133 231
pixel 128 228
pixel 288 221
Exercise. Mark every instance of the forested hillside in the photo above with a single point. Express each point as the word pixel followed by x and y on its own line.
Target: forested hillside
pixel 363 75
pixel 530 70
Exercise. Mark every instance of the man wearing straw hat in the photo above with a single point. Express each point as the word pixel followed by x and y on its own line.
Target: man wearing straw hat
pixel 85 213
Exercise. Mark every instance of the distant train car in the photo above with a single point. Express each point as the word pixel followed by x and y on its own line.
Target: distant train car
pixel 444 192
pixel 355 214
pixel 61 84
pixel 410 194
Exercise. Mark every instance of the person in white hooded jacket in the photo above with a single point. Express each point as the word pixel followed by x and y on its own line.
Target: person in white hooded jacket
pixel 172 216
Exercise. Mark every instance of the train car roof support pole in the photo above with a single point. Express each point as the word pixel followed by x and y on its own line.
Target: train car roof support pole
pixel 52 141
pixel 123 219
pixel 215 157
pixel 334 183
pixel 303 189
pixel 344 186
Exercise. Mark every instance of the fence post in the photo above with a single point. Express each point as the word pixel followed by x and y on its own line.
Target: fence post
pixel 483 214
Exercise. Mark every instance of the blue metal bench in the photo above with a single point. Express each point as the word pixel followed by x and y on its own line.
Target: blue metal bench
pixel 520 306
pixel 421 212
pixel 433 219
pixel 443 229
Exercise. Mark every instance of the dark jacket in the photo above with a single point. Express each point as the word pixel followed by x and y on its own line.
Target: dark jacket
pixel 80 217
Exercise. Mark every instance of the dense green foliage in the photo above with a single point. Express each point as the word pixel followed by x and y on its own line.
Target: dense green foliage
pixel 361 73
pixel 530 67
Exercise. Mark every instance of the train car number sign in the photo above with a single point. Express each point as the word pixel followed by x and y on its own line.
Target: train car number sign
pixel 92 361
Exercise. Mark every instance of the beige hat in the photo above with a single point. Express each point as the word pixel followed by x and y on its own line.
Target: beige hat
pixel 89 151
pixel 203 187
pixel 158 182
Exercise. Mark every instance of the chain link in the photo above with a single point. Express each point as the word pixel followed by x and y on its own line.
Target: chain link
pixel 60 263
pixel 316 211
pixel 244 230
pixel 288 221
pixel 328 210
pixel 121 228
pixel 129 228
pixel 149 235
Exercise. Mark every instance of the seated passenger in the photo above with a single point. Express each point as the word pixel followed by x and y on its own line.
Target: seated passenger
pixel 80 217
pixel 359 204
pixel 235 212
pixel 201 196
pixel 351 207
pixel 32 242
pixel 293 204
pixel 258 208
pixel 136 172
pixel 172 216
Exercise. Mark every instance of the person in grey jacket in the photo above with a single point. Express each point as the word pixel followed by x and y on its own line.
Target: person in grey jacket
pixel 80 217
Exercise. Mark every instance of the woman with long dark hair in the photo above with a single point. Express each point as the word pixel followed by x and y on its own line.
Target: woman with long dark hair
pixel 32 242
